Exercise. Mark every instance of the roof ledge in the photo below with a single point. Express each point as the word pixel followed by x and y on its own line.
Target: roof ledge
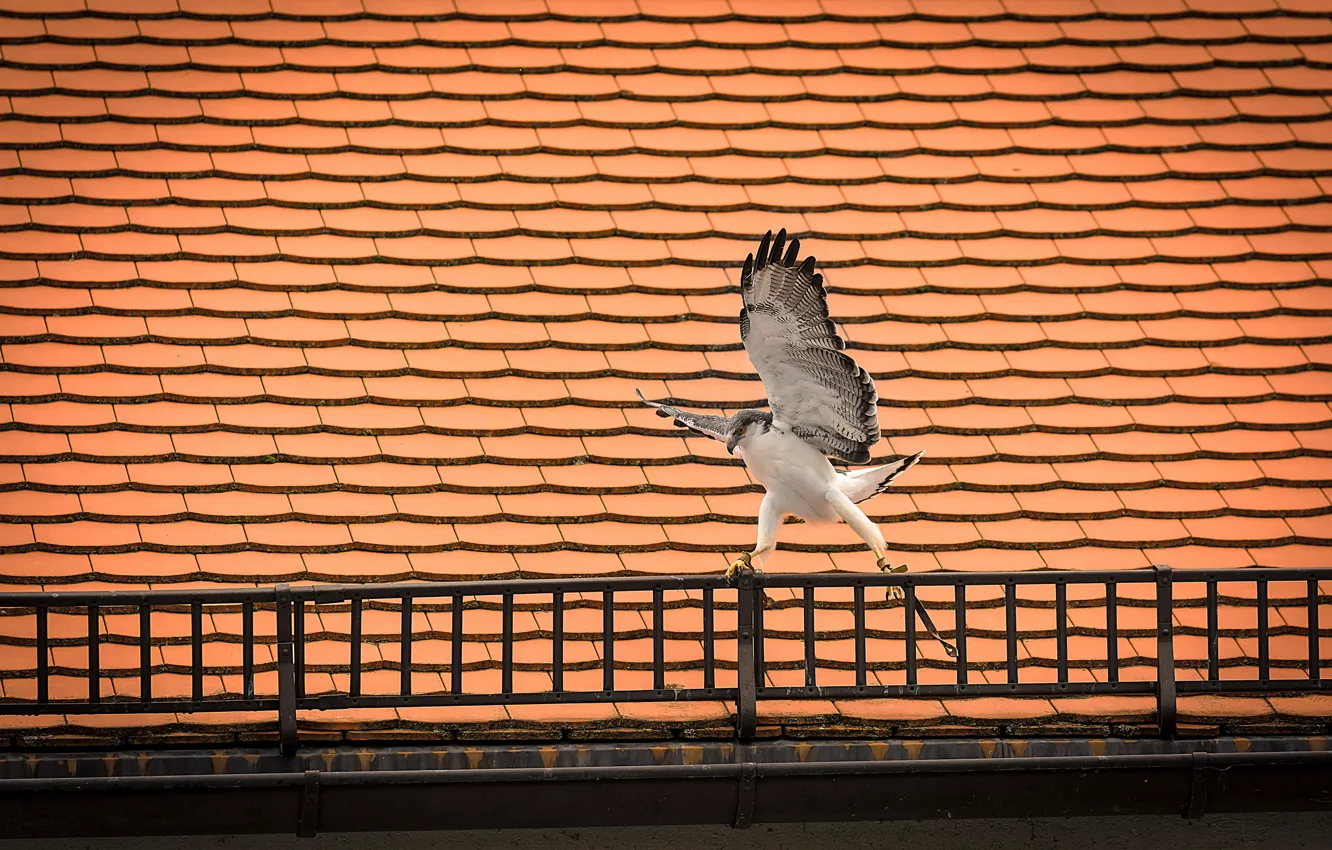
pixel 399 788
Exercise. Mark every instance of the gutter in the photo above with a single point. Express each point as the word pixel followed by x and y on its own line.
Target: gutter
pixel 739 793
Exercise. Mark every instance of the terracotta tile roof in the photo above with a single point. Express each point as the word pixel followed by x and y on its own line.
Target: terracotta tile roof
pixel 361 291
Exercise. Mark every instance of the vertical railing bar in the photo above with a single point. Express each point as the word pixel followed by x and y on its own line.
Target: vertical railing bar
pixel 608 640
pixel 43 656
pixel 748 638
pixel 1315 662
pixel 760 600
pixel 709 640
pixel 1061 631
pixel 910 620
pixel 1010 632
pixel 1213 636
pixel 506 644
pixel 94 654
pixel 456 644
pixel 1165 653
pixel 861 675
pixel 355 660
pixel 298 644
pixel 809 637
pixel 1112 632
pixel 287 733
pixel 1264 662
pixel 405 648
pixel 247 649
pixel 960 637
pixel 658 640
pixel 557 641
pixel 196 651
pixel 145 652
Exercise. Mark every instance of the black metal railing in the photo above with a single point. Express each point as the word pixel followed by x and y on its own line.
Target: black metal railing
pixel 411 618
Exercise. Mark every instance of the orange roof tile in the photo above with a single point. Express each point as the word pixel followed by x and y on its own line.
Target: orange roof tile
pixel 366 298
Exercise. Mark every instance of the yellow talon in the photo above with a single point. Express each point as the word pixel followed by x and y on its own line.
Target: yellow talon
pixel 741 563
pixel 895 591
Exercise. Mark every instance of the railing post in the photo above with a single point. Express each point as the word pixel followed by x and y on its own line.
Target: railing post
pixel 746 703
pixel 287 740
pixel 1165 653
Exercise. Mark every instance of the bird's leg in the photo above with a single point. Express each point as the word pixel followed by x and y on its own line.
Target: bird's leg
pixel 869 532
pixel 768 520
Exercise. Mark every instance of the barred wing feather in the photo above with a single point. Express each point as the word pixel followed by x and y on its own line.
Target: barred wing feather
pixel 813 385
pixel 700 423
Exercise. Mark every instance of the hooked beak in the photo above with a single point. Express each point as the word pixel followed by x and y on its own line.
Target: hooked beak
pixel 731 443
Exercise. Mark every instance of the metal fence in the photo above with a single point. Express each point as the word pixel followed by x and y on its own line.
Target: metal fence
pixel 743 602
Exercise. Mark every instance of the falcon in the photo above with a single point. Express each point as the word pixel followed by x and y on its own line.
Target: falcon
pixel 823 406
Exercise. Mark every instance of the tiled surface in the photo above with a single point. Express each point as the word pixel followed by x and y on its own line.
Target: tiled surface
pixel 361 292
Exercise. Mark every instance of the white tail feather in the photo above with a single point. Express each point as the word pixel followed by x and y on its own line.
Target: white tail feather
pixel 864 483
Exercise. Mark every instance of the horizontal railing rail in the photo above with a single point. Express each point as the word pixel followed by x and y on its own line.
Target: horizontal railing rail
pixel 272 640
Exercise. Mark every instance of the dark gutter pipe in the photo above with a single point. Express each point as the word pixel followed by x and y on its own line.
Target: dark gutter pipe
pixel 740 794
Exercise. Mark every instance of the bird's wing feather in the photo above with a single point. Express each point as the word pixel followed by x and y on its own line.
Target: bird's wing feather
pixel 813 385
pixel 708 425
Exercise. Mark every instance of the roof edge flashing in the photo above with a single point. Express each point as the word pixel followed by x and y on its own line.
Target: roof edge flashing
pixel 739 792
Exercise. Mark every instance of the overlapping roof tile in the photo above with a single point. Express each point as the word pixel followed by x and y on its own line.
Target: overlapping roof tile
pixel 361 291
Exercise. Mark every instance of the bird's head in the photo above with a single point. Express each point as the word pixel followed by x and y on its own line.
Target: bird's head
pixel 746 425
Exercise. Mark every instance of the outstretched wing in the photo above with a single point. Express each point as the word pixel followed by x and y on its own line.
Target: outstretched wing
pixel 813 385
pixel 715 427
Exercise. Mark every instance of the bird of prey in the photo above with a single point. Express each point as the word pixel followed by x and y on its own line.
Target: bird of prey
pixel 823 405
